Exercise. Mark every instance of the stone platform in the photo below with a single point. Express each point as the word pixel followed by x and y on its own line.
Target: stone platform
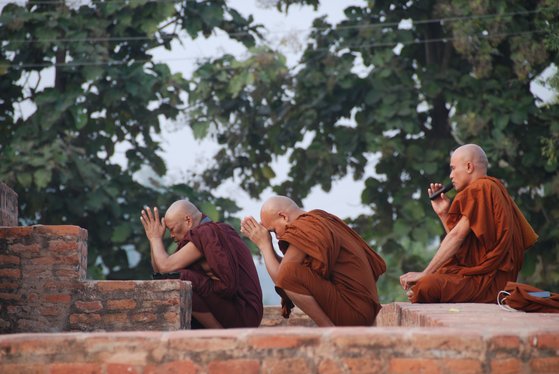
pixel 427 338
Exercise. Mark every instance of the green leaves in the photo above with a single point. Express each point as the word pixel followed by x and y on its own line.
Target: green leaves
pixel 60 155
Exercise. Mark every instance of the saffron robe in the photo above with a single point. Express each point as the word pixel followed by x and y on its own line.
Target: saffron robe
pixel 339 271
pixel 235 299
pixel 491 254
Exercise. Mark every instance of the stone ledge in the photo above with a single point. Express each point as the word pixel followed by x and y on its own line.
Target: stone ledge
pixel 483 339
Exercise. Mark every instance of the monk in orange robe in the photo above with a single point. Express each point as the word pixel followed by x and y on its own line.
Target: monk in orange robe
pixel 328 271
pixel 486 237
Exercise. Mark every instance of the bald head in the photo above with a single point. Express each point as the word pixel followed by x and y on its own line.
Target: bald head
pixel 467 164
pixel 181 208
pixel 475 154
pixel 277 212
pixel 182 216
pixel 278 203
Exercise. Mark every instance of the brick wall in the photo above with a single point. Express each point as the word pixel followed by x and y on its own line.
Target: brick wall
pixel 43 288
pixel 8 206
pixel 288 350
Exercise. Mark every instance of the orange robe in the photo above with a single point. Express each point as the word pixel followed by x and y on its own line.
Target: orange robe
pixel 340 270
pixel 491 254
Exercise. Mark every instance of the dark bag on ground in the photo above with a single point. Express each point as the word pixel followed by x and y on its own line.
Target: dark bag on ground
pixel 527 298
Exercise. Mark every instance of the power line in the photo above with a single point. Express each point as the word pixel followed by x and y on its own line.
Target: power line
pixel 371 45
pixel 247 33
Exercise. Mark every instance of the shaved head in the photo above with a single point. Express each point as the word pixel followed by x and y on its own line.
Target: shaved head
pixel 473 153
pixel 278 203
pixel 277 212
pixel 181 208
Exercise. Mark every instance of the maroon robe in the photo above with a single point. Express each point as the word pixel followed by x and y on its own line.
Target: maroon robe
pixel 235 299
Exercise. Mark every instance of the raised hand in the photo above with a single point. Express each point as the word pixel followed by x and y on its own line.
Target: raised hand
pixel 154 227
pixel 440 204
pixel 255 232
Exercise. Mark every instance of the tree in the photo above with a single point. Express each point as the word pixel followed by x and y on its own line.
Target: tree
pixel 60 151
pixel 395 96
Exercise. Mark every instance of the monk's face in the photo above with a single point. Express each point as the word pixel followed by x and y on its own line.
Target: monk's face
pixel 178 226
pixel 275 223
pixel 460 171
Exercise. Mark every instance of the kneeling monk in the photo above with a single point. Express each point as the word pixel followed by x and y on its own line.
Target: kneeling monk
pixel 486 237
pixel 225 287
pixel 327 270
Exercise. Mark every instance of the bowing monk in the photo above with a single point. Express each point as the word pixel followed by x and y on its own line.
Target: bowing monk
pixel 226 291
pixel 328 271
pixel 486 237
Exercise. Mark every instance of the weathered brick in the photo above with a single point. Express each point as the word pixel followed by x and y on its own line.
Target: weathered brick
pixel 114 318
pixel 51 311
pixel 25 250
pixel 58 298
pixel 62 247
pixel 545 365
pixel 171 317
pixel 413 365
pixel 72 368
pixel 22 368
pixel 89 306
pixel 121 304
pixel 109 286
pixel 545 341
pixel 7 259
pixel 11 286
pixel 10 296
pixel 234 367
pixel 364 365
pixel 82 318
pixel 121 368
pixel 286 365
pixel 174 367
pixel 505 342
pixel 278 340
pixel 328 366
pixel 60 230
pixel 144 317
pixel 202 341
pixel 462 366
pixel 506 366
pixel 10 273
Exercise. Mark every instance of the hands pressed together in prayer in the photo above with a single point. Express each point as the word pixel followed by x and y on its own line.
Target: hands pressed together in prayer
pixel 253 230
pixel 154 227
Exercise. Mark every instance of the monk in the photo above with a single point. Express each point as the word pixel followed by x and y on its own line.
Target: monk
pixel 486 237
pixel 226 291
pixel 328 271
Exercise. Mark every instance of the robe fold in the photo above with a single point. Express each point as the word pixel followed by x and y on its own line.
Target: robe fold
pixel 236 298
pixel 339 271
pixel 491 254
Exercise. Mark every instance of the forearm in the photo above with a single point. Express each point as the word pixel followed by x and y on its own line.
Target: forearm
pixel 159 257
pixel 448 248
pixel 443 217
pixel 270 259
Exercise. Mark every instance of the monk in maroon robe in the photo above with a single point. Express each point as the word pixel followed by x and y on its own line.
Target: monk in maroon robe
pixel 328 271
pixel 486 237
pixel 226 292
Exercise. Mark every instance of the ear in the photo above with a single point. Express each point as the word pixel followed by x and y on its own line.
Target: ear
pixel 470 167
pixel 283 216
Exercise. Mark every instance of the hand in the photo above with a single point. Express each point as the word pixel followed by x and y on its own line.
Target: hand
pixel 409 279
pixel 255 232
pixel 440 204
pixel 155 228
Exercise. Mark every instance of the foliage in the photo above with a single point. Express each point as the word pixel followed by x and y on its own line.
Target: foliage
pixel 60 141
pixel 375 96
